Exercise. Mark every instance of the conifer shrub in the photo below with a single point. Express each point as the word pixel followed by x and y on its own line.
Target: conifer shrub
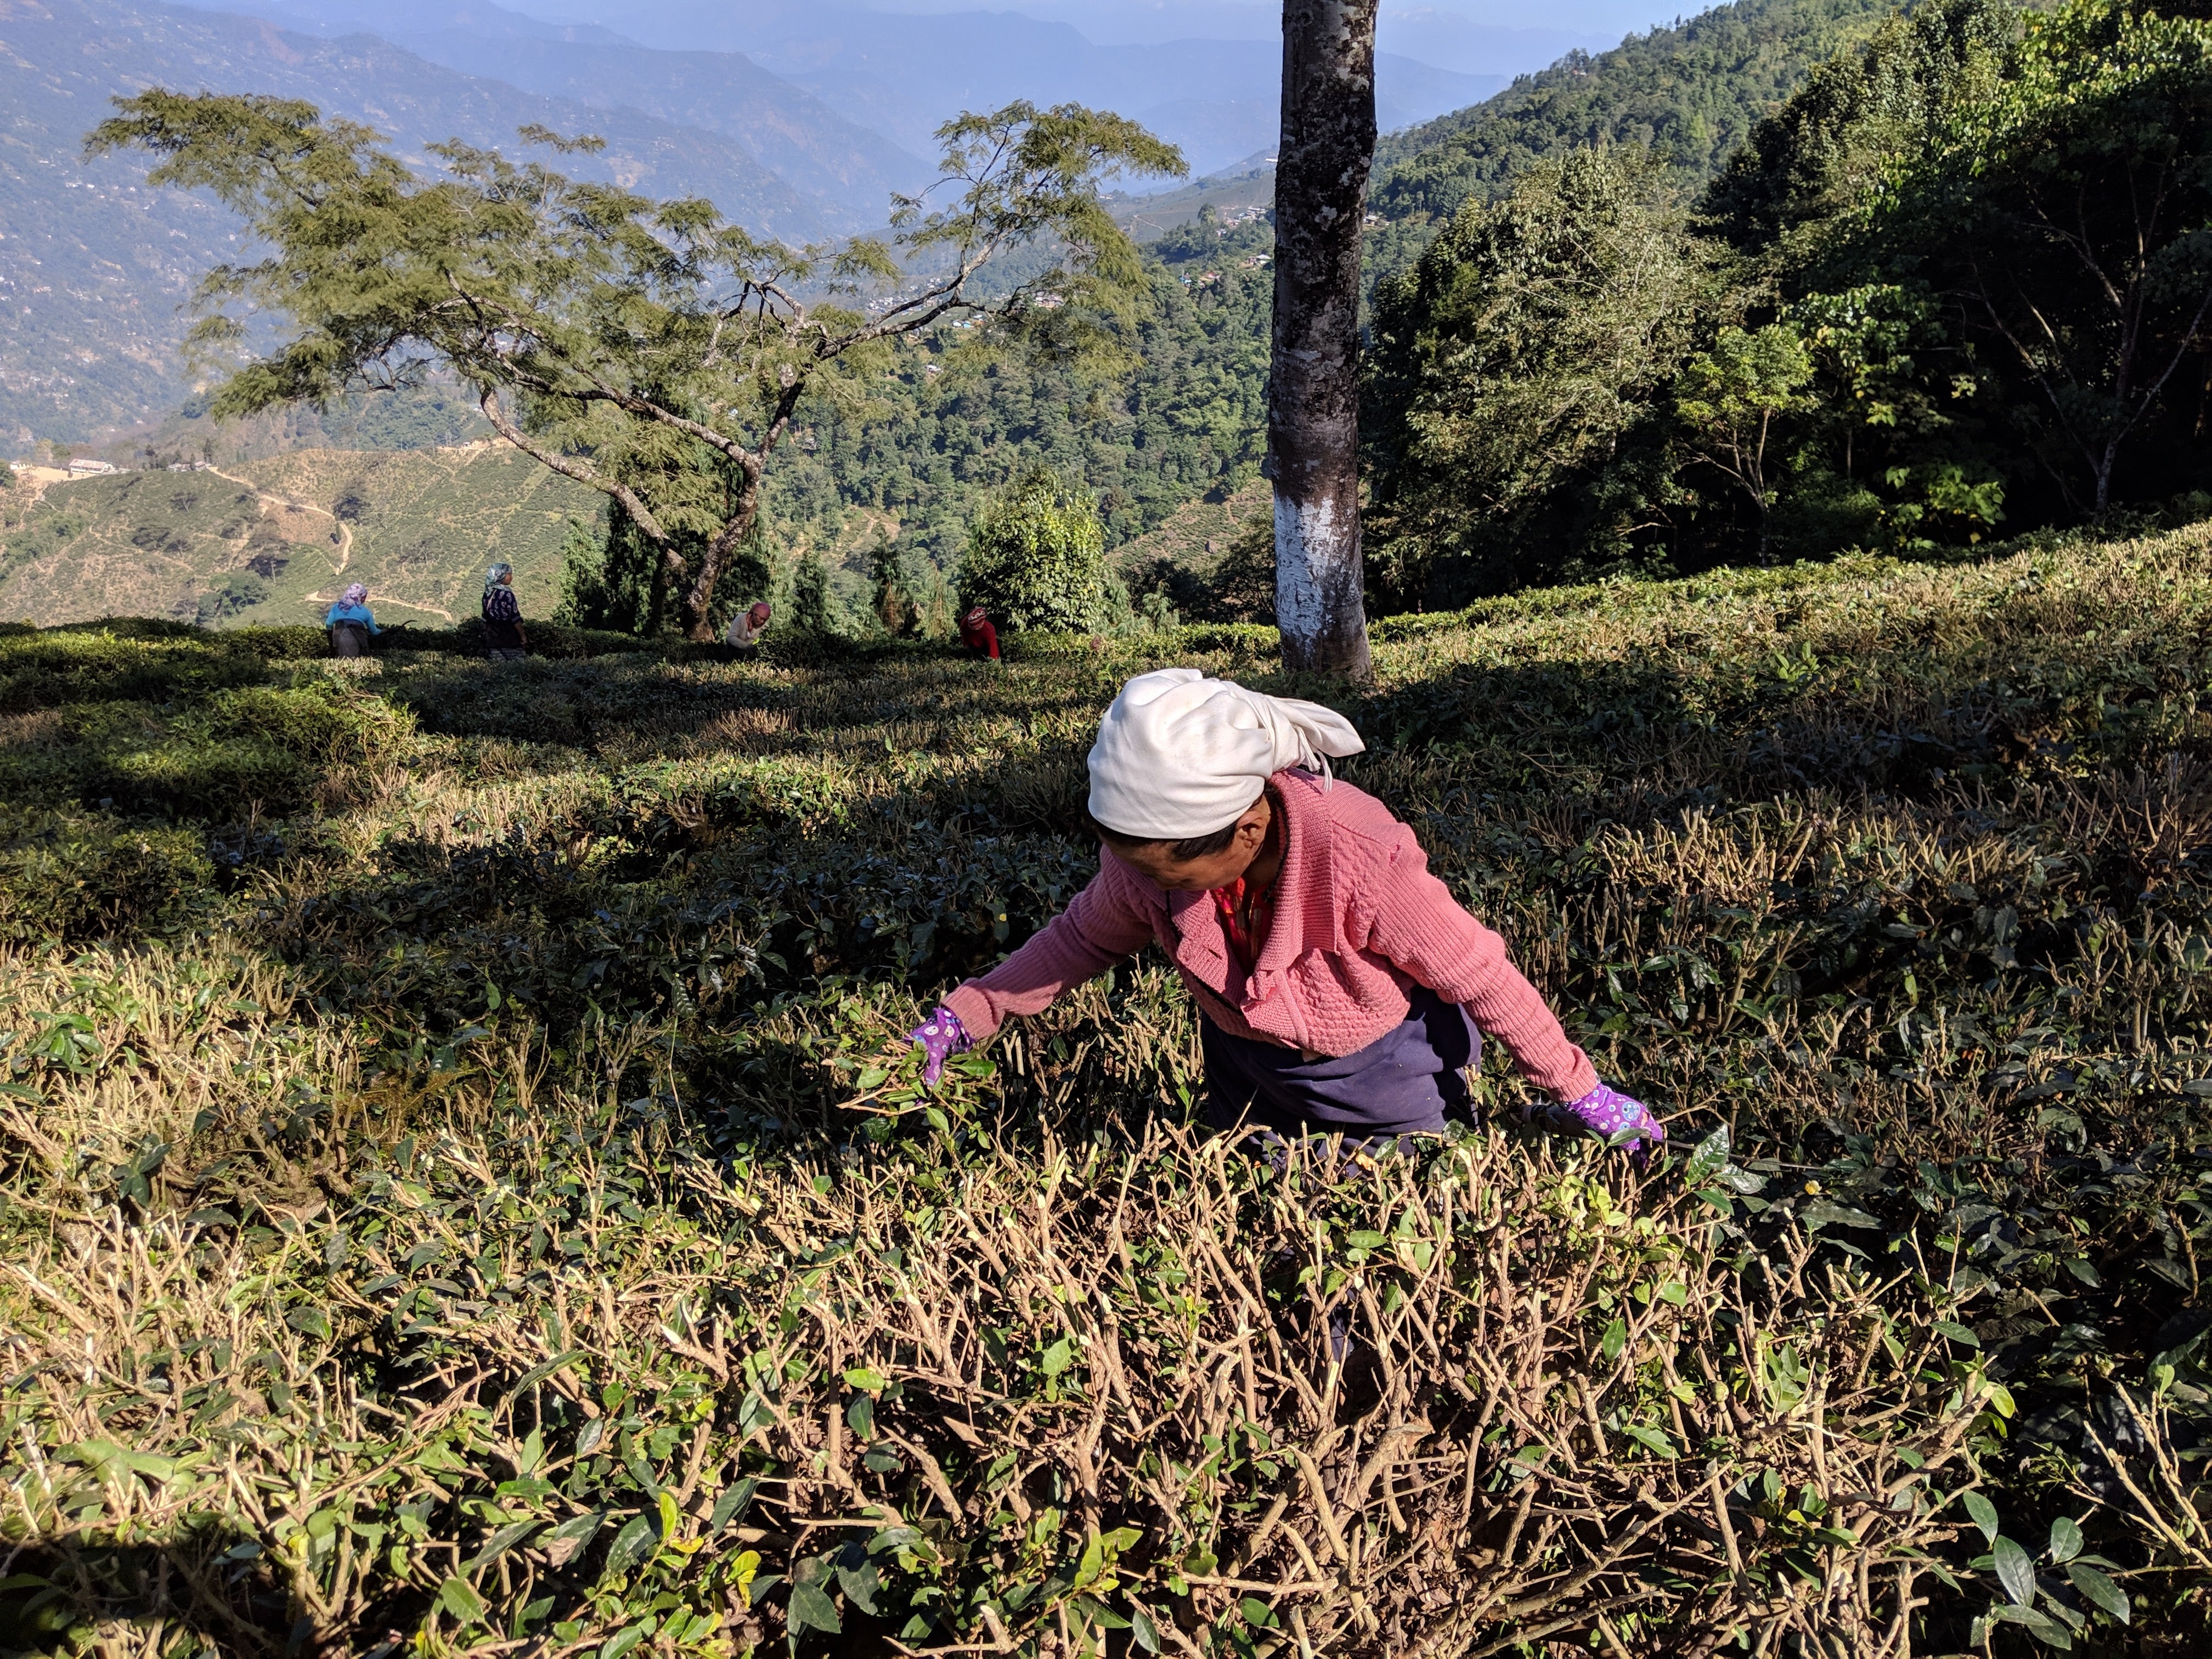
pixel 814 606
pixel 1036 561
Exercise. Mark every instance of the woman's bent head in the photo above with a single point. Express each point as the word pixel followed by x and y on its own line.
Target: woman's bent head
pixel 1180 755
pixel 1195 864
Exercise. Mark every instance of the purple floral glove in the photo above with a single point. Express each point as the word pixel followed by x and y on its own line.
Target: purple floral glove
pixel 941 1036
pixel 1606 1112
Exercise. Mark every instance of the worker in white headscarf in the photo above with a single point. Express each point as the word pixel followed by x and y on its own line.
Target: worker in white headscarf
pixel 1340 989
pixel 503 637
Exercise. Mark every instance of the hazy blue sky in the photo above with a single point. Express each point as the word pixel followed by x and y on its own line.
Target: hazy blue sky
pixel 1472 36
pixel 1109 21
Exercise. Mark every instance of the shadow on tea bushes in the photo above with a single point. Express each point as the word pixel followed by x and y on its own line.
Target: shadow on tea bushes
pixel 132 661
pixel 68 878
pixel 233 752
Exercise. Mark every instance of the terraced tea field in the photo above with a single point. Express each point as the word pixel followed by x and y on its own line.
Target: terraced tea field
pixel 272 541
pixel 463 1190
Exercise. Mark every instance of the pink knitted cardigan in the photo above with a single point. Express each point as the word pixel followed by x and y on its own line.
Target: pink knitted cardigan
pixel 1359 920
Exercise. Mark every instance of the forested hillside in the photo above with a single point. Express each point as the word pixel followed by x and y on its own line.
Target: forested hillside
pixel 1186 419
pixel 1190 421
pixel 1957 281
pixel 805 142
pixel 1689 94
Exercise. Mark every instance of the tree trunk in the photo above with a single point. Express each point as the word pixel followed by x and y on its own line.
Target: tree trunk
pixel 1313 406
pixel 696 601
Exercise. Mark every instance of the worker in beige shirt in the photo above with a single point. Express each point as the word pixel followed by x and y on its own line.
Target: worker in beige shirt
pixel 746 627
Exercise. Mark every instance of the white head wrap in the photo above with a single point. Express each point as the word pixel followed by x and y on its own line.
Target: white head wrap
pixel 1179 755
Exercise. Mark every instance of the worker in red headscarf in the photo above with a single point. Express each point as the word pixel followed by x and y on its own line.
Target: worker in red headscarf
pixel 976 634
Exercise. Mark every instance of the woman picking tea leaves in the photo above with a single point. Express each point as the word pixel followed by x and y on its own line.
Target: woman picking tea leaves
pixel 1340 989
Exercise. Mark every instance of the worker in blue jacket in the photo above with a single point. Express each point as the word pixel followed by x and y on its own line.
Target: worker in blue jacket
pixel 350 623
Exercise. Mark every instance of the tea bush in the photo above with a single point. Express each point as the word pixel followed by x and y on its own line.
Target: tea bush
pixel 235 752
pixel 71 879
pixel 464 1191
pixel 115 662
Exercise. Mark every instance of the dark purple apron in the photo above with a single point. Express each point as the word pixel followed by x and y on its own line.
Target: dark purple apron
pixel 1406 1081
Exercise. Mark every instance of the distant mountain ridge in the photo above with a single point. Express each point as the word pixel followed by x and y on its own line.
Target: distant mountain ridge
pixel 900 73
pixel 801 139
pixel 94 268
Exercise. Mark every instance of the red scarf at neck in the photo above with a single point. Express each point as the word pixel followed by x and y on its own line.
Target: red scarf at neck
pixel 1248 910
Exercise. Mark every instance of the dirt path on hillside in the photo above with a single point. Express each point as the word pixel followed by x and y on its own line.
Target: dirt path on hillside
pixel 345 542
pixel 345 530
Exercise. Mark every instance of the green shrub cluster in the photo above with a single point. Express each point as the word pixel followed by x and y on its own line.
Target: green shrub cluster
pixel 68 878
pixel 1036 561
pixel 1589 370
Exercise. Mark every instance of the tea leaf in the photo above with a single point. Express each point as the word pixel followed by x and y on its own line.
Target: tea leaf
pixel 1709 1158
pixel 1142 1631
pixel 500 1543
pixel 2065 1539
pixel 861 1585
pixel 731 1505
pixel 572 1537
pixel 459 1597
pixel 632 1545
pixel 1984 1512
pixel 813 1610
pixel 2015 1569
pixel 2100 1589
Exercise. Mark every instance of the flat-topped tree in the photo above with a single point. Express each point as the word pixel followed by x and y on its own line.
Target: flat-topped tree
pixel 649 349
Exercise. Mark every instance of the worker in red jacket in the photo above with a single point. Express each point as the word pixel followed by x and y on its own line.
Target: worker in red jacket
pixel 976 634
